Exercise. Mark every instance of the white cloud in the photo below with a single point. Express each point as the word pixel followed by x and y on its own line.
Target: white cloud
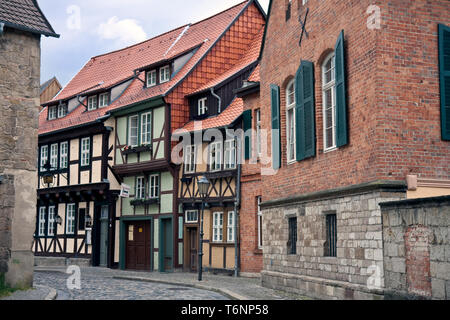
pixel 125 32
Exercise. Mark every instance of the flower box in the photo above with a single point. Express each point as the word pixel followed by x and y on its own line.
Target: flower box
pixel 131 150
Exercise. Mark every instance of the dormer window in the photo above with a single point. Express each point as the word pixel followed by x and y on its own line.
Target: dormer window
pixel 164 74
pixel 202 107
pixel 52 112
pixel 92 103
pixel 151 78
pixel 103 100
pixel 62 111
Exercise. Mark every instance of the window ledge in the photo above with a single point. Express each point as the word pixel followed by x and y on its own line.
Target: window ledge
pixel 330 150
pixel 258 251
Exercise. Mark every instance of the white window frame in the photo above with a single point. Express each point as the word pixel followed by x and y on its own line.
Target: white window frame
pixel 217 148
pixel 70 219
pixel 260 222
pixel 103 100
pixel 164 74
pixel 54 157
pixel 230 154
pixel 140 188
pixel 190 158
pixel 218 227
pixel 64 155
pixel 325 88
pixel 189 214
pixel 153 186
pixel 51 221
pixel 151 78
pixel 44 157
pixel 290 115
pixel 52 113
pixel 41 224
pixel 130 128
pixel 231 227
pixel 146 128
pixel 62 111
pixel 85 152
pixel 202 107
pixel 92 103
pixel 258 132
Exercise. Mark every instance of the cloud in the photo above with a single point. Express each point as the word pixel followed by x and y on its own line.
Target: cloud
pixel 125 32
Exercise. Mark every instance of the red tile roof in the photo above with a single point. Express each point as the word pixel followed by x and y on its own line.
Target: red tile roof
pixel 226 118
pixel 105 71
pixel 235 109
pixel 254 77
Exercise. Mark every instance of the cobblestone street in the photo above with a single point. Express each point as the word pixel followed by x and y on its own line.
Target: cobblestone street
pixel 95 286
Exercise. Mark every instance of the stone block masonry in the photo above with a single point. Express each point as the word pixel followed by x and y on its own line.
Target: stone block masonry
pixel 19 101
pixel 356 272
pixel 416 252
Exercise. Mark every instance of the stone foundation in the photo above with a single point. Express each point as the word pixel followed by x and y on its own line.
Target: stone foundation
pixel 357 270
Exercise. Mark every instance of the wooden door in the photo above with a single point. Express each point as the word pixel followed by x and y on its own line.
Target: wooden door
pixel 104 236
pixel 138 246
pixel 167 245
pixel 193 248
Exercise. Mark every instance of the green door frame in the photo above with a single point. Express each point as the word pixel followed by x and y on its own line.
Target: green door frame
pixel 161 242
pixel 122 249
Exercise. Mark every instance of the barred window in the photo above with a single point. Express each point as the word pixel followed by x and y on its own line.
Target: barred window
pixel 51 221
pixel 218 227
pixel 70 219
pixel 331 237
pixel 154 186
pixel 292 242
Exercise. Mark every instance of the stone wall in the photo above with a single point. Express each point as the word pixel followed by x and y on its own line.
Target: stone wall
pixel 416 253
pixel 357 270
pixel 19 101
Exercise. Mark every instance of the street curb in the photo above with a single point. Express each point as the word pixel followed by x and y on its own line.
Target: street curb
pixel 230 294
pixel 52 295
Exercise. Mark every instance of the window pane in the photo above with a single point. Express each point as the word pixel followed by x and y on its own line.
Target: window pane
pixel 133 131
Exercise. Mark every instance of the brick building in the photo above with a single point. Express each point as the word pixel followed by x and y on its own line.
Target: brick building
pixel 358 107
pixel 21 25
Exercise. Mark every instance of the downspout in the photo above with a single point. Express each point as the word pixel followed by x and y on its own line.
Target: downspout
pixel 218 98
pixel 237 204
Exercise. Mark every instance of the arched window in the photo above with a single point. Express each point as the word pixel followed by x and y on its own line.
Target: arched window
pixel 329 102
pixel 290 121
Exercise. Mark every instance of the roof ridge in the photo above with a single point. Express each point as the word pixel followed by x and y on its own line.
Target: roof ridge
pixel 139 43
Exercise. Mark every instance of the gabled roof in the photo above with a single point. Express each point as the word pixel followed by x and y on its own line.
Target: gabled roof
pixel 25 15
pixel 107 70
pixel 251 57
pixel 48 82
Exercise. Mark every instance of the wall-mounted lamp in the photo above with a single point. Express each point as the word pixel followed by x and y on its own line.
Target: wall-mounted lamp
pixel 88 221
pixel 58 220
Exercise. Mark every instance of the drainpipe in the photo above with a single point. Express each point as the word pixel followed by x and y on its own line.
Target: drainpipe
pixel 2 27
pixel 237 204
pixel 218 98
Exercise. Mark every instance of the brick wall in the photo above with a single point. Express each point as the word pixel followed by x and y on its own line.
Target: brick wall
pixel 251 255
pixel 417 248
pixel 392 84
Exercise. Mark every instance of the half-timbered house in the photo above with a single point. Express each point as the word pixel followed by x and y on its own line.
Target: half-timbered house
pixel 134 99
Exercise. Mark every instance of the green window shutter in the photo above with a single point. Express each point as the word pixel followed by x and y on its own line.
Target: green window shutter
pixel 341 94
pixel 276 137
pixel 444 72
pixel 247 117
pixel 305 111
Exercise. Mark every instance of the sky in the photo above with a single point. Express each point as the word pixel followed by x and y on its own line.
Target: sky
pixel 92 27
